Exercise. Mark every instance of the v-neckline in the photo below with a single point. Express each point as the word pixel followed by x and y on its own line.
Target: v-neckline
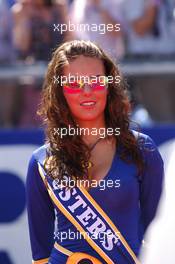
pixel 108 174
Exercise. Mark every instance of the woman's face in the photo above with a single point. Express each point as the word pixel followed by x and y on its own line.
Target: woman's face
pixel 88 104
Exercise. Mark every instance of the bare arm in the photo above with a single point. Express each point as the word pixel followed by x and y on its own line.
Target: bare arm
pixel 63 10
pixel 21 31
pixel 145 23
pixel 108 19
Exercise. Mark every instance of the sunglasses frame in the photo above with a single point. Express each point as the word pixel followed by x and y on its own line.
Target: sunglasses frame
pixel 104 84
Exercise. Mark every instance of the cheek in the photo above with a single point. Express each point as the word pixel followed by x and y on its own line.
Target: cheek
pixel 102 99
pixel 72 101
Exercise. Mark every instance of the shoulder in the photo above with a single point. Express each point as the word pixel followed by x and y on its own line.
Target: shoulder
pixel 33 174
pixel 148 149
pixel 16 8
pixel 60 5
pixel 60 2
pixel 40 153
pixel 144 141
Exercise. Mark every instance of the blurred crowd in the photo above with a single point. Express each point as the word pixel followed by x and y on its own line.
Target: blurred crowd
pixel 128 30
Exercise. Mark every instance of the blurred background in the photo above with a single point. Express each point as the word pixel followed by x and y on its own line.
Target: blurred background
pixel 29 32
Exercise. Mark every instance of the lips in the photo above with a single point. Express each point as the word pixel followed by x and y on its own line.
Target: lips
pixel 88 103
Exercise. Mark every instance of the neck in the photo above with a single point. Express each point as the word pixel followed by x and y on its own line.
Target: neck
pixel 93 126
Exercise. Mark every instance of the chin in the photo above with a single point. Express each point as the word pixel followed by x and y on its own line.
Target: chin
pixel 87 117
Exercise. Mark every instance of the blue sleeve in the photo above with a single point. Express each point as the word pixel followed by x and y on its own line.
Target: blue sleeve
pixel 41 215
pixel 151 183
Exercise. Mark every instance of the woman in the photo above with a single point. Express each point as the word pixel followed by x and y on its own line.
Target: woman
pixel 83 93
pixel 34 30
pixel 103 19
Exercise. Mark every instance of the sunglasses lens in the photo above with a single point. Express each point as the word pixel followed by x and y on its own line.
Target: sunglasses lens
pixel 72 87
pixel 96 85
pixel 99 84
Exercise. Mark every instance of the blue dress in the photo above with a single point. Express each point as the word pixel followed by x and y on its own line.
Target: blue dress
pixel 131 206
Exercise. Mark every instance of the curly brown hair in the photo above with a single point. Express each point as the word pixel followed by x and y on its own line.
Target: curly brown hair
pixel 70 154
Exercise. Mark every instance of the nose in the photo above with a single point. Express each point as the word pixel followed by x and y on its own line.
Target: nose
pixel 87 89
